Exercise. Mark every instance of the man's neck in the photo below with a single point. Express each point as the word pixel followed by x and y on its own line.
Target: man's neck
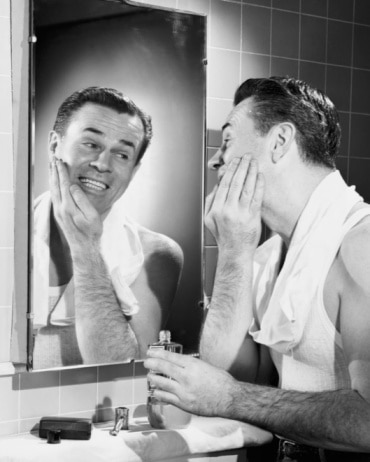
pixel 285 208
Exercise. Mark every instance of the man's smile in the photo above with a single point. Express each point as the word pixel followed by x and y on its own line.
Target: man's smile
pixel 93 184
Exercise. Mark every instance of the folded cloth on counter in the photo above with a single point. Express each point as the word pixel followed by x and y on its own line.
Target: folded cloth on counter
pixel 204 435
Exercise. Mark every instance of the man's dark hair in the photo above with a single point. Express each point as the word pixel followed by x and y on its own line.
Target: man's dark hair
pixel 285 99
pixel 108 97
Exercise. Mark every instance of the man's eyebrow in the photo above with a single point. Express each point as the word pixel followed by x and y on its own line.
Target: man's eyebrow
pixel 99 132
pixel 227 124
pixel 93 130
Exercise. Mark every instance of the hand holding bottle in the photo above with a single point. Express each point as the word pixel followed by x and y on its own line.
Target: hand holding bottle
pixel 195 386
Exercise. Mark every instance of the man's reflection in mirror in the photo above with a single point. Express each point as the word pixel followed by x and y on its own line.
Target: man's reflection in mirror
pixel 103 285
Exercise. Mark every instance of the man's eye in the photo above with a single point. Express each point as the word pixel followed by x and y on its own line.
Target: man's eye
pixel 122 155
pixel 91 145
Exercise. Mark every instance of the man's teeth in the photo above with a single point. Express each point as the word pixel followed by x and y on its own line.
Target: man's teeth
pixel 97 185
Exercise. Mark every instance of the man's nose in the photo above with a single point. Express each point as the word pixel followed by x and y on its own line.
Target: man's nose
pixel 102 162
pixel 216 161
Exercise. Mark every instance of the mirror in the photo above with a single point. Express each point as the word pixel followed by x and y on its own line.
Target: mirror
pixel 101 289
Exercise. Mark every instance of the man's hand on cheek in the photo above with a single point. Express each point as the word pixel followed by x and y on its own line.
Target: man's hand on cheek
pixel 233 209
pixel 73 211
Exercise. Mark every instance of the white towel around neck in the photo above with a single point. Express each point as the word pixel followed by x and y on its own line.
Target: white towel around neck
pixel 278 297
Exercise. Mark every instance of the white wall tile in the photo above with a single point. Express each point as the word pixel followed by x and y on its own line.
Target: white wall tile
pixel 9 392
pixel 5 330
pixel 7 214
pixel 5 8
pixel 8 428
pixel 78 389
pixel 115 387
pixel 6 170
pixel 5 103
pixel 222 73
pixel 5 63
pixel 6 276
pixel 217 111
pixel 39 394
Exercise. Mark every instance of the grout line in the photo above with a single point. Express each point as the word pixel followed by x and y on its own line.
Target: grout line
pixel 311 61
pixel 215 98
pixel 209 27
pixel 133 384
pixel 309 14
pixel 299 37
pixel 59 392
pixel 326 47
pixel 350 92
pixel 97 388
pixel 232 1
pixel 270 44
pixel 19 404
pixel 223 49
pixel 241 44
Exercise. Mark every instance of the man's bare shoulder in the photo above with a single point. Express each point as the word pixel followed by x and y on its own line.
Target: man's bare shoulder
pixel 159 245
pixel 354 253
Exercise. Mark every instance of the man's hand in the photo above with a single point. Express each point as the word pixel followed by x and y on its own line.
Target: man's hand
pixel 194 386
pixel 73 211
pixel 233 208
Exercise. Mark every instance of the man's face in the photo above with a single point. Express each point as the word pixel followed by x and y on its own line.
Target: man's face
pixel 239 137
pixel 100 148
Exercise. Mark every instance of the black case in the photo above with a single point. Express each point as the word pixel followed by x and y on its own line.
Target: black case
pixel 72 428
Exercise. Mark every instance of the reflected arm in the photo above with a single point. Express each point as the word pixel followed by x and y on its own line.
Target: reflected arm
pixel 103 332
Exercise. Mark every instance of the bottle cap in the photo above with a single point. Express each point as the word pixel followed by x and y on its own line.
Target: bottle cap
pixel 164 336
pixel 53 436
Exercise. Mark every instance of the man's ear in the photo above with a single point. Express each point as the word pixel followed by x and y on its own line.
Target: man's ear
pixel 54 140
pixel 283 136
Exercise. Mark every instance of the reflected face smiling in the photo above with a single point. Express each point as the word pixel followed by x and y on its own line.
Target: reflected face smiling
pixel 239 137
pixel 100 148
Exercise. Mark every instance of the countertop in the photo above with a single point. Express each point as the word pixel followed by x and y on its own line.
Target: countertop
pixel 140 443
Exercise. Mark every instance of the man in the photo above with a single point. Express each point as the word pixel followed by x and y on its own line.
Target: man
pixel 300 303
pixel 103 285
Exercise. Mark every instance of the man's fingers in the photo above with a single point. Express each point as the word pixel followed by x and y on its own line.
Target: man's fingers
pixel 238 180
pixel 223 189
pixel 166 397
pixel 82 202
pixel 259 190
pixel 54 182
pixel 64 184
pixel 161 366
pixel 209 201
pixel 175 358
pixel 164 383
pixel 247 192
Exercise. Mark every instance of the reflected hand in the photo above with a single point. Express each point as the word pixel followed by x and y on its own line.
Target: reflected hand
pixel 233 208
pixel 194 386
pixel 79 220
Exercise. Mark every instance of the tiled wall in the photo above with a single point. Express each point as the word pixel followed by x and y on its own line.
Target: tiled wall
pixel 6 185
pixel 322 41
